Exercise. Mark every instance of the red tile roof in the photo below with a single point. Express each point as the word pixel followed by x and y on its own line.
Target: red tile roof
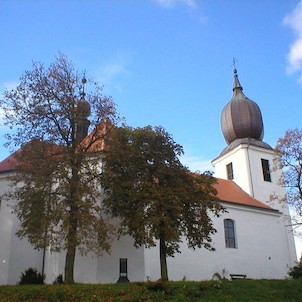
pixel 8 164
pixel 229 191
pixel 93 141
pixel 11 162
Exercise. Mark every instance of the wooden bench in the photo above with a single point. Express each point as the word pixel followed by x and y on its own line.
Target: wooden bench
pixel 237 276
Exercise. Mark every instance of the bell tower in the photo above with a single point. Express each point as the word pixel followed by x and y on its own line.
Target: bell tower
pixel 251 163
pixel 82 111
pixel 246 159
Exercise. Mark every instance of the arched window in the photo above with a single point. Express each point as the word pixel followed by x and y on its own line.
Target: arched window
pixel 229 232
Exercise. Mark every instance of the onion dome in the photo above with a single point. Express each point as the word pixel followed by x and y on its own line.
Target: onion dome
pixel 83 110
pixel 83 107
pixel 241 118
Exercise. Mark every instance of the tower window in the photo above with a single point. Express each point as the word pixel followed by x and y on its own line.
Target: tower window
pixel 229 168
pixel 265 170
pixel 229 232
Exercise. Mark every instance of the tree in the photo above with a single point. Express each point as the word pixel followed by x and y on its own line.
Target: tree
pixel 56 184
pixel 154 195
pixel 296 271
pixel 289 150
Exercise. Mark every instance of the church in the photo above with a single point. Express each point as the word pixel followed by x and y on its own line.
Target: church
pixel 254 237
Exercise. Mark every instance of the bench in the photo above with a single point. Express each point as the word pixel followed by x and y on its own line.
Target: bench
pixel 237 276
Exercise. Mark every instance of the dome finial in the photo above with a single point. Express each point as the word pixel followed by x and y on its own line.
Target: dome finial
pixel 84 81
pixel 234 65
pixel 237 84
pixel 83 107
pixel 82 113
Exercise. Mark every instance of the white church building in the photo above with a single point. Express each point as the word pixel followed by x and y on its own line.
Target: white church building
pixel 253 237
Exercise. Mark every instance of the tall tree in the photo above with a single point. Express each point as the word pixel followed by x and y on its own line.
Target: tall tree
pixel 289 150
pixel 154 195
pixel 56 184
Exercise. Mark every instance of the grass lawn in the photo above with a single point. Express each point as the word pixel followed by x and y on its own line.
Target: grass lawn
pixel 238 290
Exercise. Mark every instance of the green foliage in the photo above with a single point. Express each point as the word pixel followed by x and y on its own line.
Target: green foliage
pixel 154 195
pixel 160 286
pixel 31 276
pixel 59 280
pixel 296 271
pixel 56 184
pixel 289 149
pixel 241 290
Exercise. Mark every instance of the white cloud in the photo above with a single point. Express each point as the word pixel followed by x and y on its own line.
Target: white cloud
pixel 10 85
pixel 171 3
pixel 195 163
pixel 294 57
pixel 111 71
pixel 111 74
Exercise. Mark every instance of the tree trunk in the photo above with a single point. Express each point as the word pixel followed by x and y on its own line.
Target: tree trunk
pixel 163 259
pixel 73 223
pixel 70 255
pixel 71 245
pixel 69 265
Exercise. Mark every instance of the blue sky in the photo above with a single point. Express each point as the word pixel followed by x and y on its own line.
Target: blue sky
pixel 168 62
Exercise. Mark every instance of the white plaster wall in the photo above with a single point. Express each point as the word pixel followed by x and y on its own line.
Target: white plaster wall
pixel 22 257
pixel 262 251
pixel 102 269
pixel 247 168
pixel 263 189
pixel 18 255
pixel 15 255
pixel 239 159
pixel 6 227
pixel 248 175
pixel 54 265
pixel 109 264
pixel 265 248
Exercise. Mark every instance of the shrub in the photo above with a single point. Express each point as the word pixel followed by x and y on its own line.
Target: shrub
pixel 31 276
pixel 296 271
pixel 159 286
pixel 59 280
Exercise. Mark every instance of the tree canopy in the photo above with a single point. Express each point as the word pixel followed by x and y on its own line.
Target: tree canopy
pixel 154 195
pixel 289 148
pixel 56 184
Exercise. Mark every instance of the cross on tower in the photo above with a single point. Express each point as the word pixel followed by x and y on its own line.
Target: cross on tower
pixel 234 65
